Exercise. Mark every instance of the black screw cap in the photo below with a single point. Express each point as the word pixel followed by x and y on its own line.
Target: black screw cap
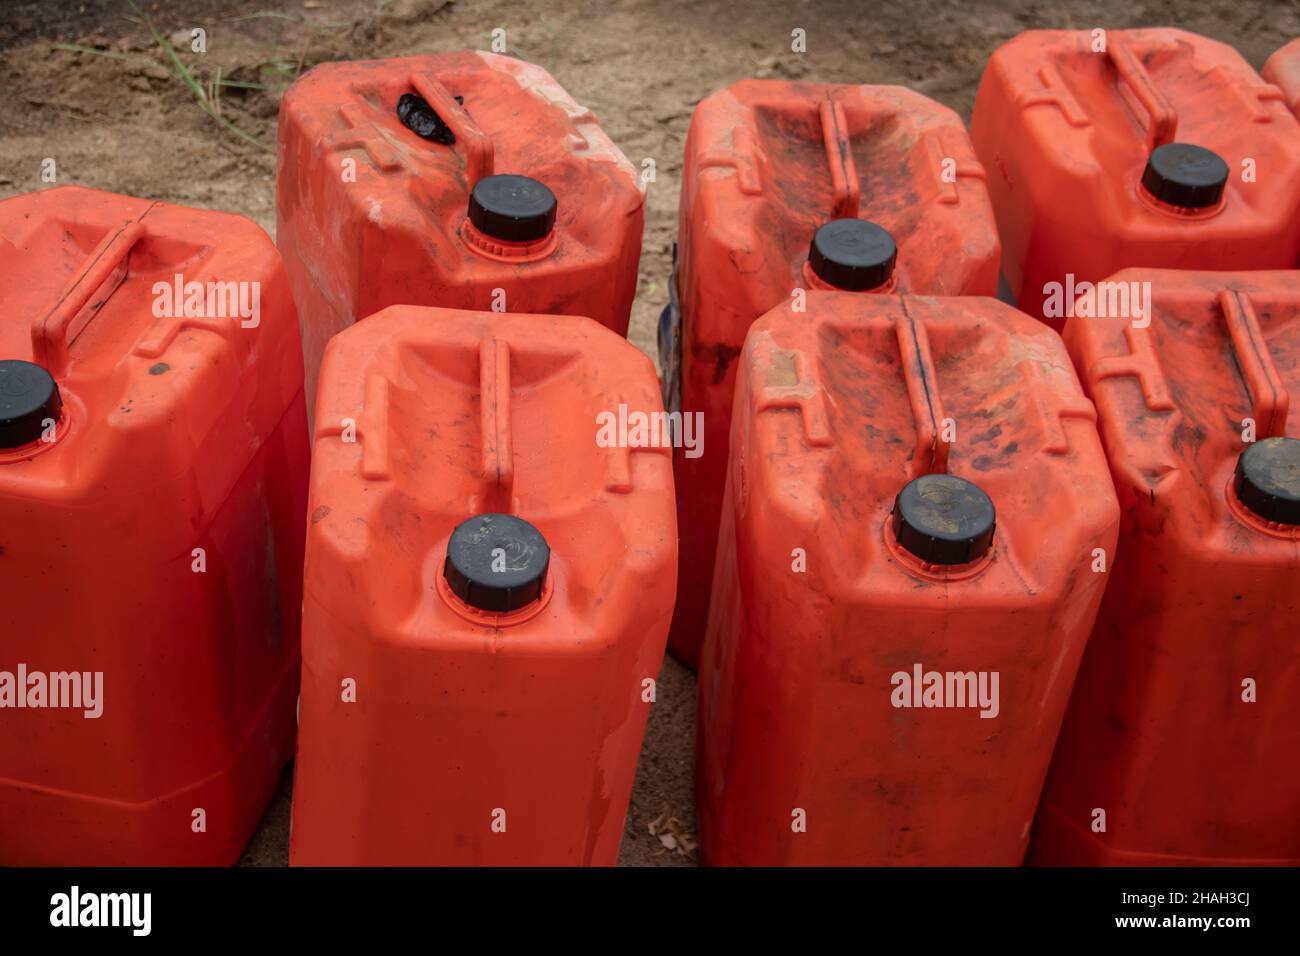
pixel 28 396
pixel 853 254
pixel 943 519
pixel 1268 479
pixel 420 118
pixel 512 208
pixel 1184 175
pixel 497 562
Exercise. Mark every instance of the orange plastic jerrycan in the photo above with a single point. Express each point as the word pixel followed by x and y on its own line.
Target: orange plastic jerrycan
pixel 466 180
pixel 153 485
pixel 790 187
pixel 1182 741
pixel 489 581
pixel 1283 70
pixel 907 575
pixel 1110 149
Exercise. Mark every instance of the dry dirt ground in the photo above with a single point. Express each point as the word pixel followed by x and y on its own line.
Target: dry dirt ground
pixel 85 82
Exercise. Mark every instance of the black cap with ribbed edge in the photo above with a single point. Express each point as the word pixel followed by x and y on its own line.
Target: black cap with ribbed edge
pixel 28 398
pixel 943 519
pixel 853 254
pixel 512 208
pixel 497 562
pixel 1184 175
pixel 1267 480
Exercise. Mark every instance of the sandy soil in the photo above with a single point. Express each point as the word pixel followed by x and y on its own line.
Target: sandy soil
pixel 122 119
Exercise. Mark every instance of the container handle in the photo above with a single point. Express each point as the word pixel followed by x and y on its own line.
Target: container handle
pixel 1270 400
pixel 53 332
pixel 498 462
pixel 845 191
pixel 1162 118
pixel 479 151
pixel 930 456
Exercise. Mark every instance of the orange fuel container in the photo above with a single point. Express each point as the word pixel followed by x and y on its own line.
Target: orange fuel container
pixel 1182 741
pixel 801 186
pixel 465 180
pixel 907 574
pixel 1110 149
pixel 153 485
pixel 1283 70
pixel 488 588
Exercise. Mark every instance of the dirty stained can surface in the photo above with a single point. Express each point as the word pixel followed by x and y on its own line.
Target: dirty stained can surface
pixel 914 542
pixel 1107 149
pixel 789 187
pixel 1181 745
pixel 464 180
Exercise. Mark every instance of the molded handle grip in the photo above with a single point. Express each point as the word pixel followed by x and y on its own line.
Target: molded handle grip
pixel 1270 400
pixel 845 191
pixel 52 331
pixel 1162 118
pixel 931 454
pixel 479 151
